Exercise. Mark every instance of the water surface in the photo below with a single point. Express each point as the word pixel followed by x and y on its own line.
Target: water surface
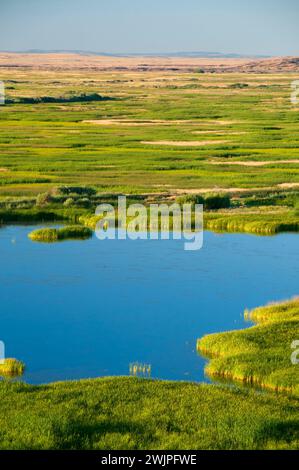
pixel 80 309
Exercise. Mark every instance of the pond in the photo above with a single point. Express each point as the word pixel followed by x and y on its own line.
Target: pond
pixel 79 309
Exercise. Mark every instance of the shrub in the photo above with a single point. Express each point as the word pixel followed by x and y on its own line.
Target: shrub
pixel 75 190
pixel 69 98
pixel 43 199
pixel 217 201
pixel 239 85
pixel 68 202
pixel 190 199
pixel 83 202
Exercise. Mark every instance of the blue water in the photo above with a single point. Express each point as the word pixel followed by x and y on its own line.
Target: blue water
pixel 81 309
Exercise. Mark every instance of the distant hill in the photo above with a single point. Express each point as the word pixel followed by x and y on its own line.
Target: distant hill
pixel 174 63
pixel 275 64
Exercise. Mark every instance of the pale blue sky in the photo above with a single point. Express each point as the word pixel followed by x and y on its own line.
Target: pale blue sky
pixel 244 26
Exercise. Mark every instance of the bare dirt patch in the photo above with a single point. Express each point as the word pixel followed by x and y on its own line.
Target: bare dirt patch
pixel 159 122
pixel 214 190
pixel 134 122
pixel 185 143
pixel 288 185
pixel 208 131
pixel 254 163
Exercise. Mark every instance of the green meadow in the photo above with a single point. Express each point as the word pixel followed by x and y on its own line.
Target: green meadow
pixel 132 413
pixel 160 132
pixel 155 136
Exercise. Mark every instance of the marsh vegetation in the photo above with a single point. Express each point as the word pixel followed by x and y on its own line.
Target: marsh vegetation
pixel 57 234
pixel 259 355
pixel 11 368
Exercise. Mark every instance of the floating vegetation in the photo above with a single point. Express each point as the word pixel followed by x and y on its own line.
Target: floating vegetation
pixel 56 234
pixel 11 368
pixel 138 369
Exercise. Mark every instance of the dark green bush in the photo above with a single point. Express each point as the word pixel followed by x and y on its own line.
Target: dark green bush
pixel 217 201
pixel 239 85
pixel 70 98
pixel 74 190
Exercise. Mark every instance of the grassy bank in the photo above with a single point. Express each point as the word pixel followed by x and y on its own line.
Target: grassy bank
pixel 261 354
pixel 256 223
pixel 130 413
pixel 57 234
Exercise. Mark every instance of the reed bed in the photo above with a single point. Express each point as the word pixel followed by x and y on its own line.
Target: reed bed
pixel 257 224
pixel 11 368
pixel 57 234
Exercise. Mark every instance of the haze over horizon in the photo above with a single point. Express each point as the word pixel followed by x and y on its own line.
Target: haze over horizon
pixel 199 54
pixel 267 28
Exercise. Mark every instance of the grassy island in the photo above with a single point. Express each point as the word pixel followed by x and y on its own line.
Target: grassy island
pixel 64 233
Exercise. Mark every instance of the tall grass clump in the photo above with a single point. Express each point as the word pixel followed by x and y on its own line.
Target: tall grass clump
pixel 11 368
pixel 53 234
pixel 190 199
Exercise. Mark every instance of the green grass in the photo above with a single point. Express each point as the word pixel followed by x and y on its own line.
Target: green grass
pixel 11 368
pixel 258 223
pixel 43 144
pixel 57 234
pixel 132 413
pixel 259 355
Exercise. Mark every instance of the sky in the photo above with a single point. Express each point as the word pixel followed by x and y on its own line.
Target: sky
pixel 265 27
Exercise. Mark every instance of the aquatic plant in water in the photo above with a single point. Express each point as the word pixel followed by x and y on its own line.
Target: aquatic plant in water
pixel 11 368
pixel 140 370
pixel 64 233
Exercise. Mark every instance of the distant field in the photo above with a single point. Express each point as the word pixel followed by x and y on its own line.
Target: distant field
pixel 162 132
